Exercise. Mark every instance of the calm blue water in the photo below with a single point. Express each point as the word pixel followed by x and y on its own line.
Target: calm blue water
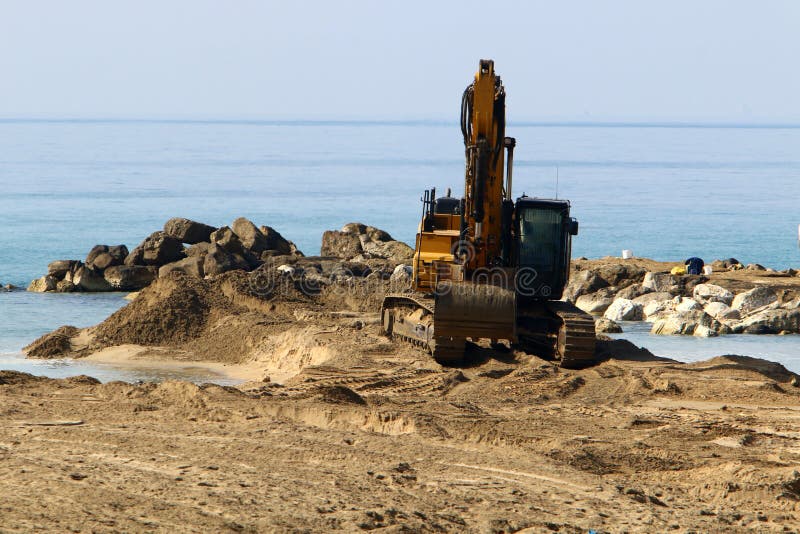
pixel 664 192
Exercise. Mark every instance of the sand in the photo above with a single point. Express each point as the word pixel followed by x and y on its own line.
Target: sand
pixel 341 428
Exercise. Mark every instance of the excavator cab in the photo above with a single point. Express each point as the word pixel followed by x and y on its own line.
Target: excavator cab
pixel 544 231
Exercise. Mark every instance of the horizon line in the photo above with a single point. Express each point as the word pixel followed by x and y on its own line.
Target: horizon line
pixel 306 121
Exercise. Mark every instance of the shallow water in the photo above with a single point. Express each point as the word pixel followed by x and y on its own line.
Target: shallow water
pixel 665 192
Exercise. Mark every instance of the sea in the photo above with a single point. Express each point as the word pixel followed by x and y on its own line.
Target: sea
pixel 663 191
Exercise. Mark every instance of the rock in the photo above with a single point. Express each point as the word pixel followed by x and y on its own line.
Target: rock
pixel 402 274
pixel 705 293
pixel 583 283
pixel 621 276
pixel 754 299
pixel 86 279
pixel 102 257
pixel 192 265
pixel 286 270
pixel 356 239
pixel 720 310
pixel 624 310
pixel 695 322
pixel 9 287
pixel 607 326
pixel 633 291
pixel 58 269
pixel 594 303
pixel 198 250
pixel 686 305
pixel 755 267
pixel 157 249
pixel 130 277
pixel 657 296
pixel 219 260
pixel 43 284
pixel 188 231
pixel 662 282
pixel 725 265
pixel 770 321
pixel 656 309
pixel 65 286
pixel 276 242
pixel 227 239
pixel 250 236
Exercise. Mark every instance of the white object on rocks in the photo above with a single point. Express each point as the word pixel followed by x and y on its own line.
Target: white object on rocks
pixel 756 298
pixel 707 270
pixel 705 293
pixel 624 310
pixel 627 254
pixel 286 269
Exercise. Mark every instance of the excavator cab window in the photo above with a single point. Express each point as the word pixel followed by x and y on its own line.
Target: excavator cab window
pixel 542 245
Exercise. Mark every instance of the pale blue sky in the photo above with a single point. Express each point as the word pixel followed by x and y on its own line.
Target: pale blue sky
pixel 730 61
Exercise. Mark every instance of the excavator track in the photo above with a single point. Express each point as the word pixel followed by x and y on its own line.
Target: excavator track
pixel 409 318
pixel 551 329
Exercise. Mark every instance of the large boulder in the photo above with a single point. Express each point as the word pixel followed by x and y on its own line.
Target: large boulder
pixel 657 296
pixel 356 240
pixel 607 326
pixel 227 239
pixel 619 275
pixel 624 310
pixel 250 236
pixel 662 282
pixel 188 231
pixel 721 311
pixel 691 323
pixel 130 277
pixel 192 265
pixel 43 284
pixel 157 249
pixel 594 303
pixel 583 283
pixel 705 293
pixel 276 242
pixel 687 304
pixel 91 280
pixel 58 269
pixel 219 260
pixel 102 257
pixel 752 300
pixel 633 291
pixel 657 309
pixel 770 321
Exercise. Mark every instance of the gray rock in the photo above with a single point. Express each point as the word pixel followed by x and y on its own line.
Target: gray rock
pixel 58 269
pixel 218 261
pixel 624 310
pixel 188 231
pixel 662 282
pixel 43 284
pixel 687 304
pixel 621 276
pixel 198 250
pixel 276 242
pixel 756 298
pixel 705 293
pixel 102 257
pixel 86 279
pixel 192 266
pixel 607 326
pixel 594 303
pixel 695 323
pixel 583 283
pixel 719 310
pixel 755 267
pixel 633 291
pixel 656 296
pixel 66 287
pixel 356 240
pixel 130 277
pixel 157 249
pixel 227 239
pixel 250 236
pixel 770 321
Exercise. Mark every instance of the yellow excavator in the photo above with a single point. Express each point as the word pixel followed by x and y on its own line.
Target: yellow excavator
pixel 486 266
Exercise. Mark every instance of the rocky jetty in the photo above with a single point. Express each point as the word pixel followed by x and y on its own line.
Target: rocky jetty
pixel 733 299
pixel 203 251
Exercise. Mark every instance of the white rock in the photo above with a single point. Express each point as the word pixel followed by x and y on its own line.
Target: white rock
pixel 624 310
pixel 717 309
pixel 402 274
pixel 655 309
pixel 752 300
pixel 687 305
pixel 286 269
pixel 660 282
pixel 652 297
pixel 705 293
pixel 695 322
pixel 594 303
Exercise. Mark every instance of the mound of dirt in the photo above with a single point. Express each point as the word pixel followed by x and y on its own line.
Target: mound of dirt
pixel 52 345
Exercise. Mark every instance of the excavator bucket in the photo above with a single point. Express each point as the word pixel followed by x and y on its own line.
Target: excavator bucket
pixel 469 310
